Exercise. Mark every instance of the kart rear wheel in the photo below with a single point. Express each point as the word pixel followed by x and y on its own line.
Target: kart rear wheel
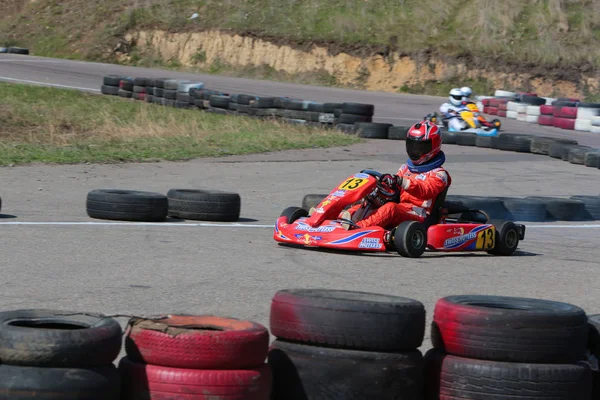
pixel 496 123
pixel 294 213
pixel 507 238
pixel 410 239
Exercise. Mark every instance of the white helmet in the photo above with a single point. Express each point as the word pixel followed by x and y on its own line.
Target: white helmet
pixel 456 96
pixel 467 92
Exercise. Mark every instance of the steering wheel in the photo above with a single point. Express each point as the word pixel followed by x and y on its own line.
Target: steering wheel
pixel 386 189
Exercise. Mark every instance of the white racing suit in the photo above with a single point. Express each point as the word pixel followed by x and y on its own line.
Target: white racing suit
pixel 454 120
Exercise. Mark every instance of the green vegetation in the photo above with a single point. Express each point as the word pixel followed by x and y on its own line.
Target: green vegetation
pixel 549 32
pixel 39 124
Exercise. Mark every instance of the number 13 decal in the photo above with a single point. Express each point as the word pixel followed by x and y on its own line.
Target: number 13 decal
pixel 353 183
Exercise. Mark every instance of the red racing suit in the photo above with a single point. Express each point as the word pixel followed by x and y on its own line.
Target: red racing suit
pixel 419 192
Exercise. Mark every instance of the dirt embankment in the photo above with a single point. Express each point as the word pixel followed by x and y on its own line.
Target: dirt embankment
pixel 382 72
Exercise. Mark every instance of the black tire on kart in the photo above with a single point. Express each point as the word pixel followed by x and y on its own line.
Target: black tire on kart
pixel 372 130
pixel 293 213
pixel 348 319
pixel 510 329
pixel 410 239
pixel 41 383
pixel 507 238
pixel 312 200
pixel 452 377
pixel 127 205
pixel 204 205
pixel 58 339
pixel 302 372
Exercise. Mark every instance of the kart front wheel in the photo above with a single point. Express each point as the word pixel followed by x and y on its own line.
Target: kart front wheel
pixel 507 238
pixel 496 123
pixel 294 213
pixel 410 239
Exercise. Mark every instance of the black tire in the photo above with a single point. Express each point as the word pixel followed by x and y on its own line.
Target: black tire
pixel 125 94
pixel 242 108
pixel 514 142
pixel 110 90
pixel 126 84
pixel 337 112
pixel 290 104
pixel 353 118
pixel 372 130
pixel 312 200
pixel 465 138
pixel 348 319
pixel 592 159
pixel 367 110
pixel 293 114
pixel 449 137
pixel 303 372
pixel 204 205
pixel 592 205
pixel 484 141
pixel 533 100
pixel 170 94
pixel 329 108
pixel 17 50
pixel 493 206
pixel 449 377
pixel 263 102
pixel 183 104
pixel 560 150
pixel 140 81
pixel 139 96
pixel 219 101
pixel 541 144
pixel 525 209
pixel 139 89
pixel 507 238
pixel 171 84
pixel 561 209
pixel 577 155
pixel 267 112
pixel 158 92
pixel 294 213
pixel 346 128
pixel 55 339
pixel 127 205
pixel 160 82
pixel 245 99
pixel 398 132
pixel 510 329
pixel 169 102
pixel 24 383
pixel 315 107
pixel 183 97
pixel 410 239
pixel 113 80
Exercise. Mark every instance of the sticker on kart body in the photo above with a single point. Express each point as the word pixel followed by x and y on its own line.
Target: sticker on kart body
pixel 370 243
pixel 355 182
pixel 480 233
pixel 486 239
pixel 301 226
pixel 308 239
pixel 338 193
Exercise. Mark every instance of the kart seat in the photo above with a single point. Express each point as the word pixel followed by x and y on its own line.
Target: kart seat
pixel 436 210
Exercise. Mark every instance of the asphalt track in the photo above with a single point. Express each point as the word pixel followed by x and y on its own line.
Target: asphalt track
pixel 54 256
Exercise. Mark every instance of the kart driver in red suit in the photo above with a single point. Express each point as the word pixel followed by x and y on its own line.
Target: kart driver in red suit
pixel 422 179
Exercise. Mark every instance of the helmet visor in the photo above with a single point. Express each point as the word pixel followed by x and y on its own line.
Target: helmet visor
pixel 418 148
pixel 457 96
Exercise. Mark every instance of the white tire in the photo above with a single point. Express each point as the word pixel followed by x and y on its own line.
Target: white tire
pixel 595 129
pixel 522 117
pixel 532 118
pixel 533 110
pixel 504 93
pixel 512 114
pixel 521 108
pixel 511 106
pixel 584 125
pixel 587 113
pixel 595 121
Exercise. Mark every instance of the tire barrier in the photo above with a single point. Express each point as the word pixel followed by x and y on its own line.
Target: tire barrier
pixel 141 206
pixel 508 347
pixel 48 354
pixel 322 335
pixel 365 345
pixel 14 50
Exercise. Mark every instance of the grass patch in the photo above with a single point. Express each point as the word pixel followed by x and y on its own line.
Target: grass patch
pixel 39 124
pixel 442 88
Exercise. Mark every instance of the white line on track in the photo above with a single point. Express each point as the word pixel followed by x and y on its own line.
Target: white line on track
pixel 221 225
pixel 5 78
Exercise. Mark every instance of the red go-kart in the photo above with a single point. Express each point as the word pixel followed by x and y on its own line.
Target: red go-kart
pixel 451 227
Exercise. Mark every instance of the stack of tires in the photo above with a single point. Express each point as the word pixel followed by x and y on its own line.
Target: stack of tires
pixel 183 97
pixel 546 115
pixel 158 94
pixel 594 352
pixel 343 345
pixel 126 88
pixel 111 84
pixel 586 112
pixel 565 113
pixel 195 357
pixel 49 354
pixel 501 348
pixel 139 88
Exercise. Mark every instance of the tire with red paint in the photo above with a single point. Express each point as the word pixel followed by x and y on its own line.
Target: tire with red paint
pixel 546 110
pixel 510 329
pixel 493 111
pixel 565 112
pixel 197 342
pixel 302 372
pixel 564 123
pixel 502 113
pixel 347 319
pixel 153 382
pixel 547 120
pixel 449 377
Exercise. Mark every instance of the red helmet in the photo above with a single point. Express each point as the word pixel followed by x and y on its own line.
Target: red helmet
pixel 423 142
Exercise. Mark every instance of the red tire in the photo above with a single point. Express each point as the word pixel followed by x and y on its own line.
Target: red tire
pixel 546 110
pixel 493 111
pixel 546 120
pixel 486 109
pixel 564 123
pixel 146 381
pixel 197 342
pixel 485 102
pixel 503 107
pixel 502 113
pixel 565 112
